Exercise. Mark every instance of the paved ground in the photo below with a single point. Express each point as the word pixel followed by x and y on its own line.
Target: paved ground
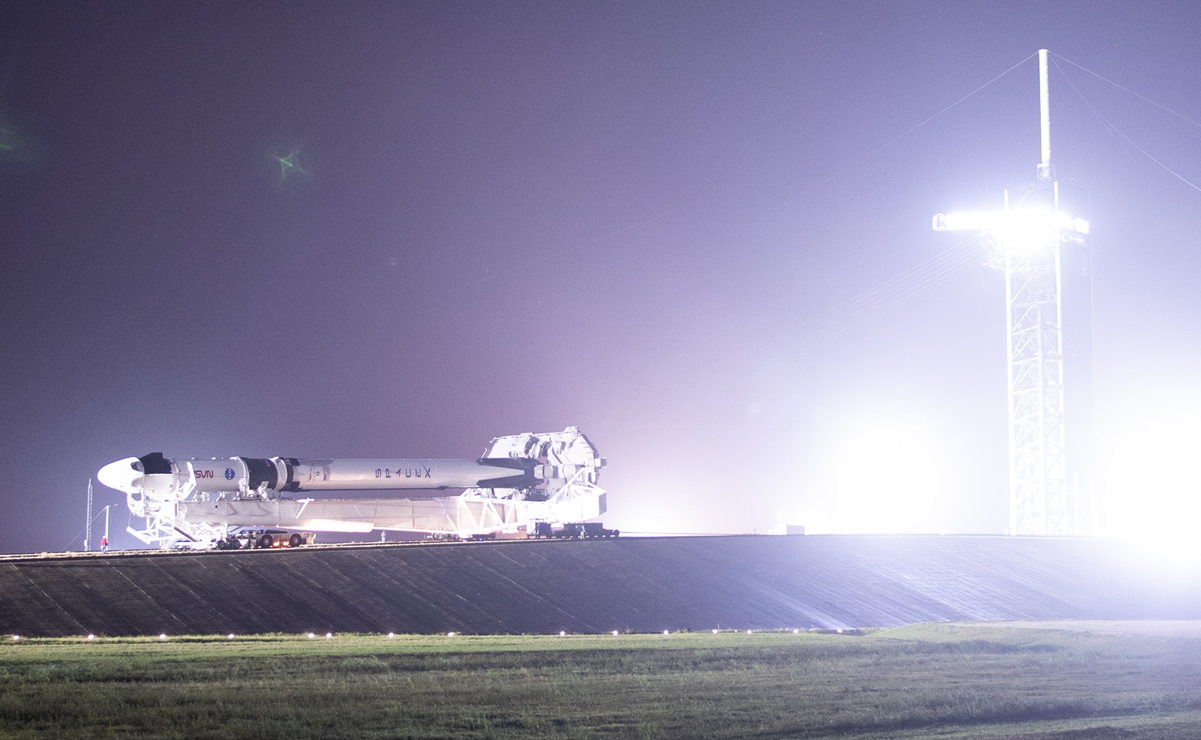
pixel 1146 627
pixel 627 584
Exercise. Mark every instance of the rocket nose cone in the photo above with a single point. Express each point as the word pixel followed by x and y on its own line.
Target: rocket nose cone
pixel 122 475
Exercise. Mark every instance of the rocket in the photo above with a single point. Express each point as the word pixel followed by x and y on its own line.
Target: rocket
pixel 153 473
pixel 521 479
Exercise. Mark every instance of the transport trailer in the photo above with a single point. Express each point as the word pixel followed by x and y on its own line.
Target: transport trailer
pixel 573 531
pixel 264 539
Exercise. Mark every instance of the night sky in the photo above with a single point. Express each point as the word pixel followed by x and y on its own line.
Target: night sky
pixel 660 222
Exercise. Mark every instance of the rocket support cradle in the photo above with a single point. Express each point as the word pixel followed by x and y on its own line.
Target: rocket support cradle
pixel 520 480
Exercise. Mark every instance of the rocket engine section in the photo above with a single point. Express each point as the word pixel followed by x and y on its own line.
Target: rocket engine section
pixel 519 481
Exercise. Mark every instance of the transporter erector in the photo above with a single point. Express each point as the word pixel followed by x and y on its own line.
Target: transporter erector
pixel 521 480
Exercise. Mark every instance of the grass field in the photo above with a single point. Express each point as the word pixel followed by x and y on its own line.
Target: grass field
pixel 923 681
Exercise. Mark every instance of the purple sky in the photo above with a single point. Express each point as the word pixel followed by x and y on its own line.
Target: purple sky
pixel 630 217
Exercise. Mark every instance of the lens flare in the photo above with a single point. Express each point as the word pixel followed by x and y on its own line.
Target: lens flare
pixel 289 164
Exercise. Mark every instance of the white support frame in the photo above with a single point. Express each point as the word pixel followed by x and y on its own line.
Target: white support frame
pixel 1034 320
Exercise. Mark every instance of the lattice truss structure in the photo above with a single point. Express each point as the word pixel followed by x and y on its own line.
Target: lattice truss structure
pixel 1028 241
pixel 1041 500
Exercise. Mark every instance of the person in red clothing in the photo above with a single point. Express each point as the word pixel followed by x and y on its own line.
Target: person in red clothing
pixel 103 544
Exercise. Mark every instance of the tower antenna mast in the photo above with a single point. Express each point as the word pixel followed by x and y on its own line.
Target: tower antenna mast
pixel 1043 251
pixel 1045 174
pixel 87 530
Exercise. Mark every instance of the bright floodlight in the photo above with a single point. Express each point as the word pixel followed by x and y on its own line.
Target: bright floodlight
pixel 1020 229
pixel 450 634
pixel 615 633
pixel 16 638
pixel 391 635
pixel 329 635
pixel 91 637
pixel 162 637
pixel 1067 223
pixel 562 634
pixel 231 635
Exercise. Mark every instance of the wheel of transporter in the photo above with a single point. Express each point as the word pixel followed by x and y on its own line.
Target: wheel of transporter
pixel 265 541
pixel 295 541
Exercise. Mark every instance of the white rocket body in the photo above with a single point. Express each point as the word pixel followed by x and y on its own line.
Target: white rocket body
pixel 156 474
pixel 521 479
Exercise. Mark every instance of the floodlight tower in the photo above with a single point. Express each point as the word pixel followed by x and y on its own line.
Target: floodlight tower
pixel 1043 251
